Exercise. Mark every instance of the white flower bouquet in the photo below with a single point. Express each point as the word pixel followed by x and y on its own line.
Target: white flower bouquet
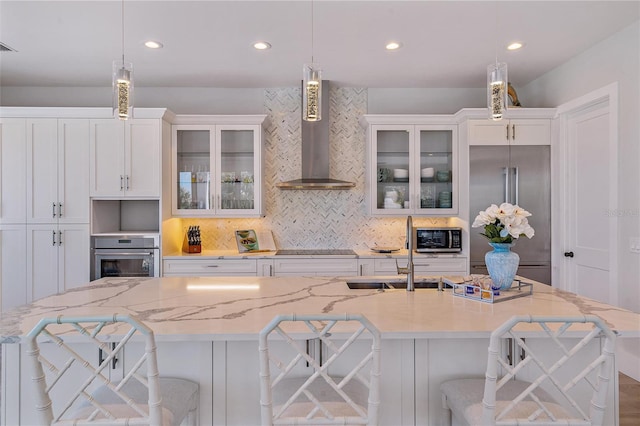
pixel 504 223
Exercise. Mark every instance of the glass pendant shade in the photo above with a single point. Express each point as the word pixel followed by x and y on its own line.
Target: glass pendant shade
pixel 497 90
pixel 122 89
pixel 311 93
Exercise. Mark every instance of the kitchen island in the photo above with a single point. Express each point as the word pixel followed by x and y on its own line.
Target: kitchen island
pixel 207 330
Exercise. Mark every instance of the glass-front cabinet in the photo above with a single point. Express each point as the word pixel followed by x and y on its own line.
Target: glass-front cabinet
pixel 217 170
pixel 412 169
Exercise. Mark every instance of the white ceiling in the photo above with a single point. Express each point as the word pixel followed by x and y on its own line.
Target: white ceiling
pixel 209 43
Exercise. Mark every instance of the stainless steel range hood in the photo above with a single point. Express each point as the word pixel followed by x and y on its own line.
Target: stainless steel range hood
pixel 315 153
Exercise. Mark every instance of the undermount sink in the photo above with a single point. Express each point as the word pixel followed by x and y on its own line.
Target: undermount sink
pixel 393 283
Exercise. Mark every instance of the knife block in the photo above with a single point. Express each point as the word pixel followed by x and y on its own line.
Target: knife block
pixel 191 242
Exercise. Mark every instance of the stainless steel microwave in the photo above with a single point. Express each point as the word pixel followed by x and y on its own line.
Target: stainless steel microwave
pixel 438 240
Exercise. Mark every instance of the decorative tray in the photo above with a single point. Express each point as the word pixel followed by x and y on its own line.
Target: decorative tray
pixel 467 290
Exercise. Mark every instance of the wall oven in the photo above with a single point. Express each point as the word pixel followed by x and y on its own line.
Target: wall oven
pixel 125 256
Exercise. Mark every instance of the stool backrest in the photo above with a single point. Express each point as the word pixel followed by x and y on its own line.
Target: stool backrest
pixel 566 362
pixel 337 333
pixel 65 363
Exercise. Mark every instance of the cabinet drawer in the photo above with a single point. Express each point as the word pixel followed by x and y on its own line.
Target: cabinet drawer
pixel 328 267
pixel 212 267
pixel 456 265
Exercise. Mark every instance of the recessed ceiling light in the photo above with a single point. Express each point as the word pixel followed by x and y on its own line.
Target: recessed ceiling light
pixel 515 45
pixel 262 45
pixel 151 44
pixel 393 45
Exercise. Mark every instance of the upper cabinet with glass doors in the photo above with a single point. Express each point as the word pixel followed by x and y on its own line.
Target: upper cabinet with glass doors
pixel 217 168
pixel 412 167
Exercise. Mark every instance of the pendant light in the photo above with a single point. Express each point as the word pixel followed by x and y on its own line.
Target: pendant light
pixel 311 86
pixel 497 81
pixel 497 89
pixel 122 83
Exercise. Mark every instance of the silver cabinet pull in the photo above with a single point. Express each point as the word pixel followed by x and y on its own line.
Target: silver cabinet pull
pixel 53 210
pixel 59 209
pixel 212 266
pixel 53 238
pixel 513 132
pixel 121 182
pixel 127 182
pixel 59 238
pixel 516 183
pixel 270 270
pixel 507 132
pixel 505 172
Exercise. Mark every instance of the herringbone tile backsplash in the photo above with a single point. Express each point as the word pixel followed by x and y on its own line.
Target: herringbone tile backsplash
pixel 305 218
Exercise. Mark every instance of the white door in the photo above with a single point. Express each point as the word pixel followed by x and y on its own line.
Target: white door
pixel 591 189
pixel 42 170
pixel 42 261
pixel 73 170
pixel 142 158
pixel 13 163
pixel 13 266
pixel 107 157
pixel 73 256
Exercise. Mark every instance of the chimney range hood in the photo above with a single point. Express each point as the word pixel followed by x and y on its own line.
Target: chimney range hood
pixel 315 153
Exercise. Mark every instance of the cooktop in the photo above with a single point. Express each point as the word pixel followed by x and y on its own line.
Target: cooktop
pixel 316 252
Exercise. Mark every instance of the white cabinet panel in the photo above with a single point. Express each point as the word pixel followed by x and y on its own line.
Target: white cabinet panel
pixel 13 266
pixel 13 162
pixel 125 158
pixel 520 131
pixel 57 171
pixel 423 265
pixel 142 158
pixel 58 259
pixel 209 267
pixel 315 267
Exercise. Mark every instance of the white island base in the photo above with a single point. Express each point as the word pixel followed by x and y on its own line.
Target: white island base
pixel 207 331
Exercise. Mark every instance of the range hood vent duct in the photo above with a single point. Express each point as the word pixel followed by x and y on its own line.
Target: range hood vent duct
pixel 315 153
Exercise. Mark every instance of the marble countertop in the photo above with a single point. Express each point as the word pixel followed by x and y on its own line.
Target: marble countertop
pixel 237 308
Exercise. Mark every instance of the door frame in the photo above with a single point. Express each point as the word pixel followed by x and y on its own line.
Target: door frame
pixel 559 156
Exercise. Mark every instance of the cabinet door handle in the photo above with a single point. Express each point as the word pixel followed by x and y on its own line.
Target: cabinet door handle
pixel 212 266
pixel 53 238
pixel 127 181
pixel 53 210
pixel 59 209
pixel 507 132
pixel 59 238
pixel 361 270
pixel 270 270
pixel 513 132
pixel 121 182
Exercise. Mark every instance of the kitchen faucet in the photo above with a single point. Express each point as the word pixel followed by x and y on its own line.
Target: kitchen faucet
pixel 409 269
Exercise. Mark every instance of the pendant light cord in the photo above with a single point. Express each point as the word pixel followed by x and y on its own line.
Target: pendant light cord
pixel 312 31
pixel 122 33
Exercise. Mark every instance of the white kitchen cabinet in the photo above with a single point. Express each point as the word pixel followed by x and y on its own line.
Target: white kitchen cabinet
pixel 516 131
pixel 412 165
pixel 13 162
pixel 366 267
pixel 198 267
pixel 217 166
pixel 58 258
pixel 125 158
pixel 13 266
pixel 57 170
pixel 330 267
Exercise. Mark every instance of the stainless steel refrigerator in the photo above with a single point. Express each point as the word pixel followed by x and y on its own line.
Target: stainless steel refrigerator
pixel 519 175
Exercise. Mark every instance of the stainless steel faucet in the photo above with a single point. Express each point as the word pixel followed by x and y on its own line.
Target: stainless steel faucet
pixel 409 270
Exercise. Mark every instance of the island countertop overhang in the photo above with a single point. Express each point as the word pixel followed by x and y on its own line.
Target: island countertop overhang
pixel 237 308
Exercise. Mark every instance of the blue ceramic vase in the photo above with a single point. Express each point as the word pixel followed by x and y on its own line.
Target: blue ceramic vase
pixel 502 264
